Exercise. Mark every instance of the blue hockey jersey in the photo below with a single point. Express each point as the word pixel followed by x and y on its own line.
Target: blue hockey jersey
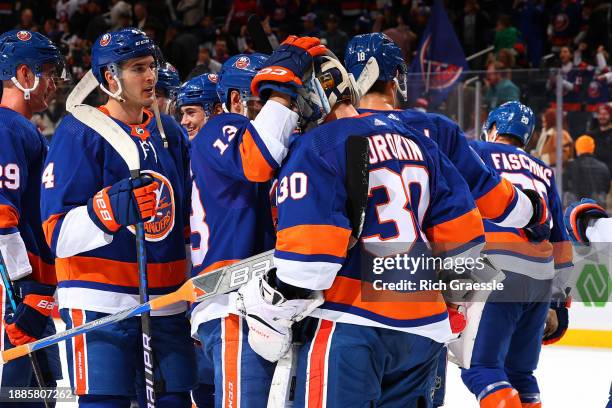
pixel 495 197
pixel 510 246
pixel 101 274
pixel 21 235
pixel 411 204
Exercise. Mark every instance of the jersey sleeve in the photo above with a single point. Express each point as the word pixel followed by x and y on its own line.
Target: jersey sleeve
pixel 13 182
pixel 73 174
pixel 453 223
pixel 498 200
pixel 313 227
pixel 565 275
pixel 247 150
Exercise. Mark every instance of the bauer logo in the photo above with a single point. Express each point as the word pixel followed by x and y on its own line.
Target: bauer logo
pixel 105 40
pixel 242 62
pixel 163 221
pixel 212 78
pixel 24 35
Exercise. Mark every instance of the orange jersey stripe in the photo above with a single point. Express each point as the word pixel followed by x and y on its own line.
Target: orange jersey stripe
pixel 317 364
pixel 494 203
pixel 350 291
pixel 231 360
pixel 460 230
pixel 314 239
pixel 118 273
pixel 42 272
pixel 9 218
pixel 254 165
pixel 507 241
pixel 49 226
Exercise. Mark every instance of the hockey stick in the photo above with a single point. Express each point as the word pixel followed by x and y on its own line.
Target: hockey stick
pixel 357 183
pixel 199 288
pixel 10 291
pixel 368 76
pixel 122 143
pixel 261 43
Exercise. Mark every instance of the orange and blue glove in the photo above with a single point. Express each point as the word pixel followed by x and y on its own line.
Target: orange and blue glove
pixel 126 202
pixel 287 66
pixel 29 321
pixel 577 217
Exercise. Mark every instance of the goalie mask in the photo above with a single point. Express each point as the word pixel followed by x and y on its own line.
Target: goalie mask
pixel 326 86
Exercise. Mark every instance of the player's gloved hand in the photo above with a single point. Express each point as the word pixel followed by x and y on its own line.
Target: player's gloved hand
pixel 126 202
pixel 270 314
pixel 286 67
pixel 578 215
pixel 29 321
pixel 538 227
pixel 557 321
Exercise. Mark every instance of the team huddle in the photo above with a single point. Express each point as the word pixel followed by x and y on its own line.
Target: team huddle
pixel 296 152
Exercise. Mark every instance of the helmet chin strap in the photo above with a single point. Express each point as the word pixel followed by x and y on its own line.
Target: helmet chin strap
pixel 116 95
pixel 26 91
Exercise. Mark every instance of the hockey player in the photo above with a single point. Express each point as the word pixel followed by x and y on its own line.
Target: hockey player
pixel 166 88
pixel 198 101
pixel 501 348
pixel 495 197
pixel 233 159
pixel 586 222
pixel 29 67
pixel 90 204
pixel 358 351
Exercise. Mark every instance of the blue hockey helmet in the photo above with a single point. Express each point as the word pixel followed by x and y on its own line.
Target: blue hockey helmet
pixel 237 73
pixel 168 80
pixel 388 56
pixel 511 119
pixel 37 52
pixel 201 90
pixel 114 47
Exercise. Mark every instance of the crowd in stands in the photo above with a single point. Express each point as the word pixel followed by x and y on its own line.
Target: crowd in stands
pixel 527 39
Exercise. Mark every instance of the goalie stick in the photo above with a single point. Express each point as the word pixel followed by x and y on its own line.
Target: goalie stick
pixel 10 292
pixel 122 143
pixel 199 288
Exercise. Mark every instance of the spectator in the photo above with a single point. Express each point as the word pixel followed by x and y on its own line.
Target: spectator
pixel 546 148
pixel 206 31
pixel 205 62
pixel 586 176
pixel 505 34
pixel 26 21
pixel 309 22
pixel 335 39
pixel 603 135
pixel 506 57
pixel 142 19
pixel 500 88
pixel 120 15
pixel 403 36
pixel 179 50
pixel 221 50
pixel 471 28
pixel 64 9
pixel 80 19
pixel 192 11
pixel 566 21
pixel 97 23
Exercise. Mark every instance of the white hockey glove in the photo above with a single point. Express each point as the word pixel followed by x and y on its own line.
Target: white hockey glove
pixel 270 315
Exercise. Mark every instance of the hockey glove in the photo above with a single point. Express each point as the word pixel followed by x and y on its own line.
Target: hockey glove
pixel 558 314
pixel 270 315
pixel 29 321
pixel 286 67
pixel 126 202
pixel 578 215
pixel 538 227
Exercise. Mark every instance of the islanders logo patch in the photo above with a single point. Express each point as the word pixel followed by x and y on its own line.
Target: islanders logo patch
pixel 24 35
pixel 105 40
pixel 242 62
pixel 162 223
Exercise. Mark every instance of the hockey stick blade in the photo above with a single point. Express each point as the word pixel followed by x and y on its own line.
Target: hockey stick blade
pixel 216 282
pixel 357 183
pixel 261 43
pixel 368 76
pixel 81 90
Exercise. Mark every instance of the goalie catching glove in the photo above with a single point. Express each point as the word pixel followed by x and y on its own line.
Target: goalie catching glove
pixel 29 321
pixel 126 202
pixel 287 66
pixel 270 308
